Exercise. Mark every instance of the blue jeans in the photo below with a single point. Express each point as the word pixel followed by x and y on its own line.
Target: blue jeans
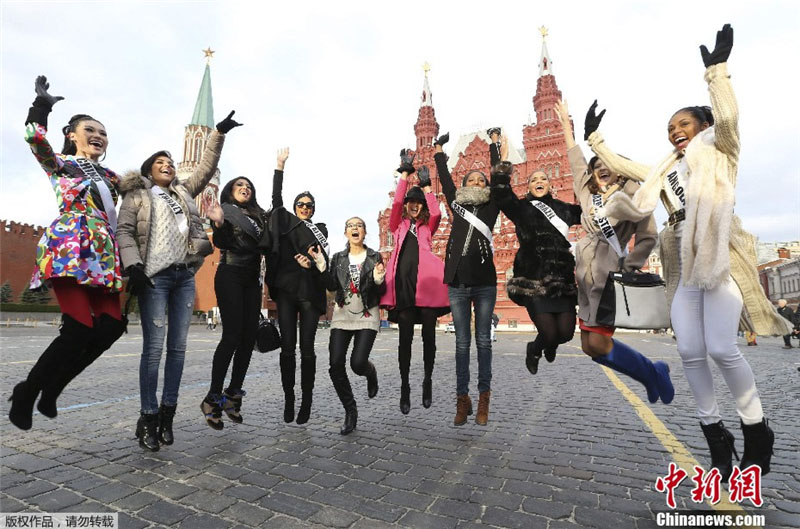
pixel 169 303
pixel 461 301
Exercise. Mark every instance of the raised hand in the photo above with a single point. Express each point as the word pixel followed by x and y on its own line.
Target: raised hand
pixel 227 124
pixel 503 147
pixel 283 155
pixel 424 176
pixel 722 48
pixel 42 87
pixel 441 140
pixel 406 162
pixel 318 257
pixel 213 209
pixel 562 112
pixel 303 261
pixel 592 120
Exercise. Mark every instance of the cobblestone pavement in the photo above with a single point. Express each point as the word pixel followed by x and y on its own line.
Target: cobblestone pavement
pixel 563 449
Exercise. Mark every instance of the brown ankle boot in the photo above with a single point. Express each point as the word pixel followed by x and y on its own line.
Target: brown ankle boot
pixel 482 417
pixel 463 408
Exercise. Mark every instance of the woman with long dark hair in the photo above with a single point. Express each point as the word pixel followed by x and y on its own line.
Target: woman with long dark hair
pixel 296 285
pixel 241 234
pixel 708 258
pixel 470 274
pixel 77 256
pixel 162 245
pixel 544 268
pixel 604 249
pixel 415 291
pixel 356 276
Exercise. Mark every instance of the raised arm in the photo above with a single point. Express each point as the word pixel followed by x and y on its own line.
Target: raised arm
pixel 502 194
pixel 405 170
pixel 208 163
pixel 277 179
pixel 612 160
pixel 446 179
pixel 577 162
pixel 723 100
pixel 433 208
pixel 36 127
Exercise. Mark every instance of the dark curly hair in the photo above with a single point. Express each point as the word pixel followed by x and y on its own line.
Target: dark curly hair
pixel 251 206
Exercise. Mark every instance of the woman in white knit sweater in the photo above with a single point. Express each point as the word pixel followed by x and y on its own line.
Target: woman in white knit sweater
pixel 708 258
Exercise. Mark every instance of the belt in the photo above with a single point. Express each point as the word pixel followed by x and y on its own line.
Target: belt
pixel 178 266
pixel 677 217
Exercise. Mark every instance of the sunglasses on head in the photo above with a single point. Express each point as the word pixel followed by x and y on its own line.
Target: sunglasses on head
pixel 306 205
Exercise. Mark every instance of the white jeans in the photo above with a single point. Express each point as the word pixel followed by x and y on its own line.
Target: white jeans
pixel 705 324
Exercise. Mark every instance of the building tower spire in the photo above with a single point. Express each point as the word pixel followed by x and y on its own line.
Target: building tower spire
pixel 426 128
pixel 545 64
pixel 196 134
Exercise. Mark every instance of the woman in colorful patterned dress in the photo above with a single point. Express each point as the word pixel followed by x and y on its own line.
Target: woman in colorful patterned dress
pixel 77 256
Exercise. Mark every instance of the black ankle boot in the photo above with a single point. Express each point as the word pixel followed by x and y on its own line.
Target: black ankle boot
pixel 427 392
pixel 304 413
pixel 147 431
pixel 758 441
pixel 350 420
pixel 372 380
pixel 720 443
pixel 165 416
pixel 21 412
pixel 288 407
pixel 532 356
pixel 405 398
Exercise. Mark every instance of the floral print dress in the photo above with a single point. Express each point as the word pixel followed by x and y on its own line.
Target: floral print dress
pixel 79 243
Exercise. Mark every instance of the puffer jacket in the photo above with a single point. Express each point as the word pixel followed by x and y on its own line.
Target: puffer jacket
pixel 543 266
pixel 337 278
pixel 135 214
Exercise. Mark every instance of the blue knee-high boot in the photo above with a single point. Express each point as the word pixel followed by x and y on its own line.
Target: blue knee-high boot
pixel 653 375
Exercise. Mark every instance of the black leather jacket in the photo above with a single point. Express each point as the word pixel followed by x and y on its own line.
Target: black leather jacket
pixel 337 278
pixel 240 243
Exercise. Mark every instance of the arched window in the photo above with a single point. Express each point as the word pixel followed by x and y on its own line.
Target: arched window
pixel 198 147
pixel 558 170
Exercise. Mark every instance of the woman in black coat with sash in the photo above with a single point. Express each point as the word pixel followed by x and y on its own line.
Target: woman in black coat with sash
pixel 296 285
pixel 544 268
pixel 240 232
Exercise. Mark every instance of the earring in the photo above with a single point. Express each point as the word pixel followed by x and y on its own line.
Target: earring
pixel 104 156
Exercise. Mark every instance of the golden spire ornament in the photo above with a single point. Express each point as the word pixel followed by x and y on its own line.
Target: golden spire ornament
pixel 209 54
pixel 543 31
pixel 426 68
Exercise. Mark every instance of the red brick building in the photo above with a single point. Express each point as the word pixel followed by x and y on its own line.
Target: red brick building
pixel 544 149
pixel 17 255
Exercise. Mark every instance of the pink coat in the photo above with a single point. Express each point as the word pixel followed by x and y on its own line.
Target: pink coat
pixel 431 290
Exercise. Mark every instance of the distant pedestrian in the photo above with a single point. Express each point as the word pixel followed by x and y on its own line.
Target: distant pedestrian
pixel 787 313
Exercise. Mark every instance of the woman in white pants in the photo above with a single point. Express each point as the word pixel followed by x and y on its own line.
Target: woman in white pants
pixel 709 260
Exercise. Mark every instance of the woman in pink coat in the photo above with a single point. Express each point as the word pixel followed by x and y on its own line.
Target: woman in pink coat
pixel 415 290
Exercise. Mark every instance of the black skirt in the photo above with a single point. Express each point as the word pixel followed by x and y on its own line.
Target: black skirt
pixel 540 304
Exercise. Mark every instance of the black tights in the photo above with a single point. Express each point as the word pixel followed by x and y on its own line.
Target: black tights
pixel 405 321
pixel 359 360
pixel 288 310
pixel 553 328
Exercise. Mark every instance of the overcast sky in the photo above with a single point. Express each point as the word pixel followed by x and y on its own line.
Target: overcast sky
pixel 339 82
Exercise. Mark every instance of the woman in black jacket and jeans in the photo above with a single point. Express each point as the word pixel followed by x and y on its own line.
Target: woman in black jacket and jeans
pixel 357 276
pixel 544 268
pixel 470 275
pixel 296 285
pixel 240 232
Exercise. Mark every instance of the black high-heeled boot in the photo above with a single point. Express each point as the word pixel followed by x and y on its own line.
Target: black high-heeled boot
pixel 532 356
pixel 165 416
pixel 288 365
pixel 147 431
pixel 405 398
pixel 721 444
pixel 758 442
pixel 308 372
pixel 427 392
pixel 22 399
pixel 345 393
pixel 372 380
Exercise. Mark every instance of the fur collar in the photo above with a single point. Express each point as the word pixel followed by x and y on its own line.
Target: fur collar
pixel 132 181
pixel 473 195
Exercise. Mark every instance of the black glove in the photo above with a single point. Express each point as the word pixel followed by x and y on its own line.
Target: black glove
pixel 406 161
pixel 43 103
pixel 441 140
pixel 501 173
pixel 722 48
pixel 227 124
pixel 424 176
pixel 493 130
pixel 592 121
pixel 137 279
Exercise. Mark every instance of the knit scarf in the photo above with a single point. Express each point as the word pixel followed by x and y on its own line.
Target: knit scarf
pixel 473 195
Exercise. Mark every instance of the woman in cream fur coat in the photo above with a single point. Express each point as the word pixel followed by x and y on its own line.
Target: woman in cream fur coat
pixel 709 260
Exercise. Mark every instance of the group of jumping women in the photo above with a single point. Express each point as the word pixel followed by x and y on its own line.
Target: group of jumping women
pixel 158 242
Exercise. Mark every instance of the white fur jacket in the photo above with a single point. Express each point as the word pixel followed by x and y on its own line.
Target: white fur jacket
pixel 713 246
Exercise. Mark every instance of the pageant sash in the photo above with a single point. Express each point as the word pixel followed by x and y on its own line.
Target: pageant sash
pixel 177 210
pixel 607 229
pixel 90 170
pixel 323 242
pixel 476 223
pixel 554 219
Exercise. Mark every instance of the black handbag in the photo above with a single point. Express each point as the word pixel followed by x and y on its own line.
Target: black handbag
pixel 267 337
pixel 634 301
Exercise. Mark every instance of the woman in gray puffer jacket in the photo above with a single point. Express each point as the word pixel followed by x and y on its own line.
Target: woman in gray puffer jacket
pixel 162 244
